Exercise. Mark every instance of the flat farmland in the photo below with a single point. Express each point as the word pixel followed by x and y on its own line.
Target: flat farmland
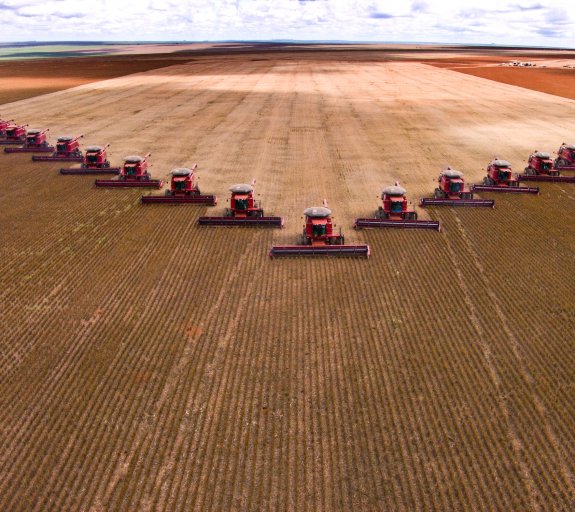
pixel 150 364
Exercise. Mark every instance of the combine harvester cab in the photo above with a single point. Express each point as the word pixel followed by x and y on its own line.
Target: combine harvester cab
pixel 95 161
pixel 244 211
pixel 540 168
pixel 15 134
pixel 395 213
pixel 36 142
pixel 183 190
pixel 134 173
pixel 500 178
pixel 565 160
pixel 67 150
pixel 320 239
pixel 4 124
pixel 451 192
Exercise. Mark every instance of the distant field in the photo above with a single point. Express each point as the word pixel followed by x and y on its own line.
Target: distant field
pixel 150 364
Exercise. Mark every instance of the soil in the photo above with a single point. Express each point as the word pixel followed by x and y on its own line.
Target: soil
pixel 148 363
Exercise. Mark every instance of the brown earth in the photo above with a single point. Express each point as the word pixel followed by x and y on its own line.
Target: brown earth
pixel 150 364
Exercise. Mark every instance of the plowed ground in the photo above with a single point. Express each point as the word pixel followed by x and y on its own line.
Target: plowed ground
pixel 150 364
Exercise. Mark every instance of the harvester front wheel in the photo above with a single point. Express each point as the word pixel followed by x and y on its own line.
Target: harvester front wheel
pixel 438 194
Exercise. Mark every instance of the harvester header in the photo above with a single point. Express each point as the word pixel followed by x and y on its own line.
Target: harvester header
pixel 14 134
pixel 67 150
pixel 183 190
pixel 500 178
pixel 320 238
pixel 244 210
pixel 451 192
pixel 95 162
pixel 540 167
pixel 35 142
pixel 134 173
pixel 395 213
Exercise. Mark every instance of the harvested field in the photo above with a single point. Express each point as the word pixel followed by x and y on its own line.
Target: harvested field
pixel 150 364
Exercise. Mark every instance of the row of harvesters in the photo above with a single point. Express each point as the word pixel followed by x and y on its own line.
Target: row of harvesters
pixel 319 236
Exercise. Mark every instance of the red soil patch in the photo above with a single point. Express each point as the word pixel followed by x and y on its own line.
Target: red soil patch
pixel 557 81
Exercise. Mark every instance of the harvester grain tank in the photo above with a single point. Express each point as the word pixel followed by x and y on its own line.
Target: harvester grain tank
pixel 395 213
pixel 67 150
pixel 565 157
pixel 36 142
pixel 500 178
pixel 183 189
pixel 244 210
pixel 95 162
pixel 451 192
pixel 540 168
pixel 319 238
pixel 15 134
pixel 134 173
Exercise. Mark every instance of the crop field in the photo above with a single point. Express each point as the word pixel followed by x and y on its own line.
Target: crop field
pixel 147 363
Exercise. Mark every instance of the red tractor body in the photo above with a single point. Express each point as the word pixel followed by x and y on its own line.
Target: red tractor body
pixel 183 189
pixel 451 192
pixel 540 163
pixel 95 161
pixel 36 142
pixel 243 210
pixel 500 178
pixel 565 157
pixel 67 150
pixel 15 134
pixel 134 173
pixel 395 212
pixel 3 125
pixel 320 238
pixel 540 168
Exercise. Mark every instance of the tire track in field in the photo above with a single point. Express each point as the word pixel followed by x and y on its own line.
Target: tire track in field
pixel 528 480
pixel 524 372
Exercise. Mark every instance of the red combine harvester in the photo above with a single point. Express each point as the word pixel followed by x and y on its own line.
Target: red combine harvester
pixel 540 168
pixel 500 178
pixel 395 213
pixel 244 211
pixel 451 192
pixel 565 157
pixel 36 142
pixel 95 162
pixel 183 190
pixel 67 150
pixel 3 125
pixel 319 238
pixel 134 173
pixel 15 134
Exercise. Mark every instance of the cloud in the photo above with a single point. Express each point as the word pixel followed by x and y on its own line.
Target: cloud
pixel 419 7
pixel 500 21
pixel 534 7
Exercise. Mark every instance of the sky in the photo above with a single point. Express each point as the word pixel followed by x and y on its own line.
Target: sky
pixel 503 22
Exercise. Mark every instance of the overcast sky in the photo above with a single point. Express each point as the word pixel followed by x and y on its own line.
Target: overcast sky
pixel 548 23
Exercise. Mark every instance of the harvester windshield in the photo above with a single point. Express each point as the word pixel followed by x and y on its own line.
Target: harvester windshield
pixel 396 206
pixel 455 187
pixel 180 185
pixel 241 203
pixel 92 158
pixel 31 139
pixel 503 175
pixel 319 229
pixel 61 148
pixel 545 166
pixel 130 170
